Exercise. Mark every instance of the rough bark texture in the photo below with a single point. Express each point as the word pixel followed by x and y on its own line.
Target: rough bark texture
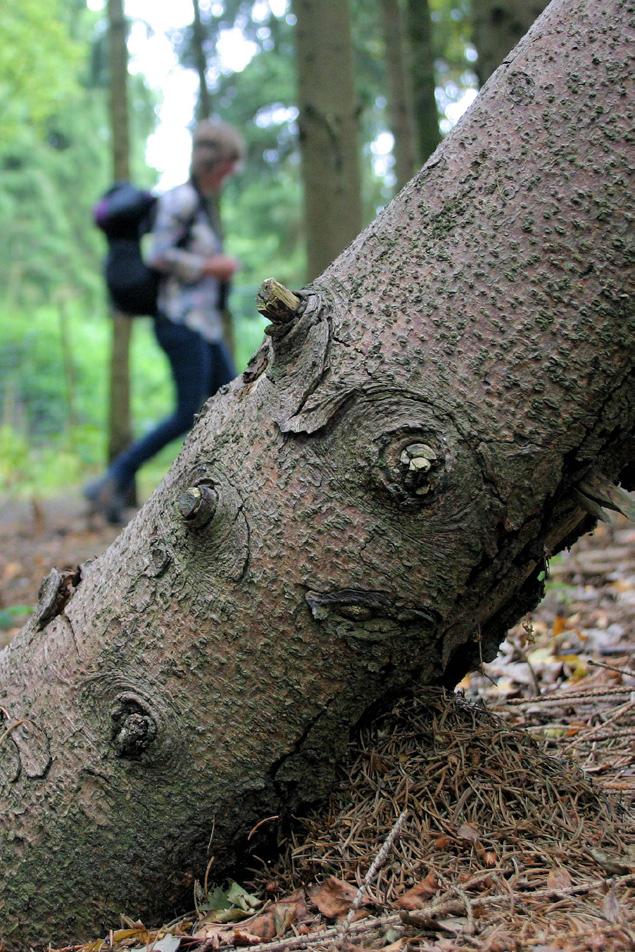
pixel 119 418
pixel 399 100
pixel 328 121
pixel 498 26
pixel 424 104
pixel 206 671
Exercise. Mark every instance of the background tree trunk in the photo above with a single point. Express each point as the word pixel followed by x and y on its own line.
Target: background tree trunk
pixel 119 421
pixel 204 110
pixel 328 130
pixel 424 104
pixel 498 26
pixel 399 100
pixel 372 506
pixel 204 104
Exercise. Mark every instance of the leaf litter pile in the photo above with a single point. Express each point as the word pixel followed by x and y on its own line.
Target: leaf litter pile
pixel 450 831
pixel 466 821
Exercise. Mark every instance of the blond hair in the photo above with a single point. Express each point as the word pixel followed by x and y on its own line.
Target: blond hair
pixel 215 141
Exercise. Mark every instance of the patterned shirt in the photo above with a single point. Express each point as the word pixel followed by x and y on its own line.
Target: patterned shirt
pixel 186 295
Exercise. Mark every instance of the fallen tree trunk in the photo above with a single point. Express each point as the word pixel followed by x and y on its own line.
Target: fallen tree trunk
pixel 367 509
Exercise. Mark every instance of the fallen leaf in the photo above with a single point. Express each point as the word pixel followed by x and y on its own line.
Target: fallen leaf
pixel 140 933
pixel 559 625
pixel 418 895
pixel 441 842
pixel 467 832
pixel 333 897
pixel 453 924
pixel 576 666
pixel 558 878
pixel 242 938
pixel 169 943
pixel 217 934
pixel 611 907
pixel 230 903
pixel 279 917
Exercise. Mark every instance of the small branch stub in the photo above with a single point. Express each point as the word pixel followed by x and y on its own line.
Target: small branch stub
pixel 417 461
pixel 135 734
pixel 277 303
pixel 134 728
pixel 197 505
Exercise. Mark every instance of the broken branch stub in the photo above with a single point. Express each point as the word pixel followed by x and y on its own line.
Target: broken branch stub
pixel 277 303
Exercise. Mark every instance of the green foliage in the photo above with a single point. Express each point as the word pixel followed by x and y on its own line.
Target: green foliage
pixel 53 170
pixel 13 615
pixel 37 67
pixel 53 380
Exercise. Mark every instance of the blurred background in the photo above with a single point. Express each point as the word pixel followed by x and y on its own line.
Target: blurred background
pixel 95 90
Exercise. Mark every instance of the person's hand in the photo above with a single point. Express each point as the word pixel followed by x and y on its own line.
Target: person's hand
pixel 221 267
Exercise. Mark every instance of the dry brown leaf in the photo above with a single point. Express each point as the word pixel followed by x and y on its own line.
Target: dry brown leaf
pixel 611 907
pixel 279 917
pixel 333 897
pixel 558 878
pixel 214 932
pixel 242 938
pixel 138 932
pixel 468 832
pixel 442 842
pixel 418 895
pixel 559 625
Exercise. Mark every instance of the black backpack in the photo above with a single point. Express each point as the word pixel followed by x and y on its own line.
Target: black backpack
pixel 124 214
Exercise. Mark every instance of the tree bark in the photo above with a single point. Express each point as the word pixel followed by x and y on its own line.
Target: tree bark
pixel 401 123
pixel 329 134
pixel 367 509
pixel 204 104
pixel 498 26
pixel 119 417
pixel 424 104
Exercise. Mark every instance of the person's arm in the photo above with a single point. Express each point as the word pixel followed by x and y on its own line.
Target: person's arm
pixel 174 217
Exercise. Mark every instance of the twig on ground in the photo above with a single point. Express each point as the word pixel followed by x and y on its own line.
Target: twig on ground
pixel 566 696
pixel 596 731
pixel 376 865
pixel 612 667
pixel 609 735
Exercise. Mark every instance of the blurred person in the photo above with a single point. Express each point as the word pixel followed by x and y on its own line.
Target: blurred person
pixel 186 249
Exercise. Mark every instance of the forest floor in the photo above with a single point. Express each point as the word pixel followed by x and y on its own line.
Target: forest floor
pixel 497 818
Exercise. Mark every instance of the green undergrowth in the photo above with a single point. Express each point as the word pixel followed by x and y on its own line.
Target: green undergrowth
pixel 54 393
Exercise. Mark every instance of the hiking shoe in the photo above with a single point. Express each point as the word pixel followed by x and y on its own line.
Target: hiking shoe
pixel 107 498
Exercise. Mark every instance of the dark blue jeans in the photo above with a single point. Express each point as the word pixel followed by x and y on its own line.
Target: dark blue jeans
pixel 199 368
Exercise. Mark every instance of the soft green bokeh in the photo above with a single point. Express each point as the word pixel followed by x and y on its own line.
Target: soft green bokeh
pixel 53 393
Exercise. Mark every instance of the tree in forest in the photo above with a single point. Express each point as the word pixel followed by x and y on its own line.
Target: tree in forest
pixel 498 26
pixel 119 418
pixel 328 124
pixel 366 510
pixel 204 105
pixel 426 119
pixel 400 107
pixel 204 110
pixel 32 84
